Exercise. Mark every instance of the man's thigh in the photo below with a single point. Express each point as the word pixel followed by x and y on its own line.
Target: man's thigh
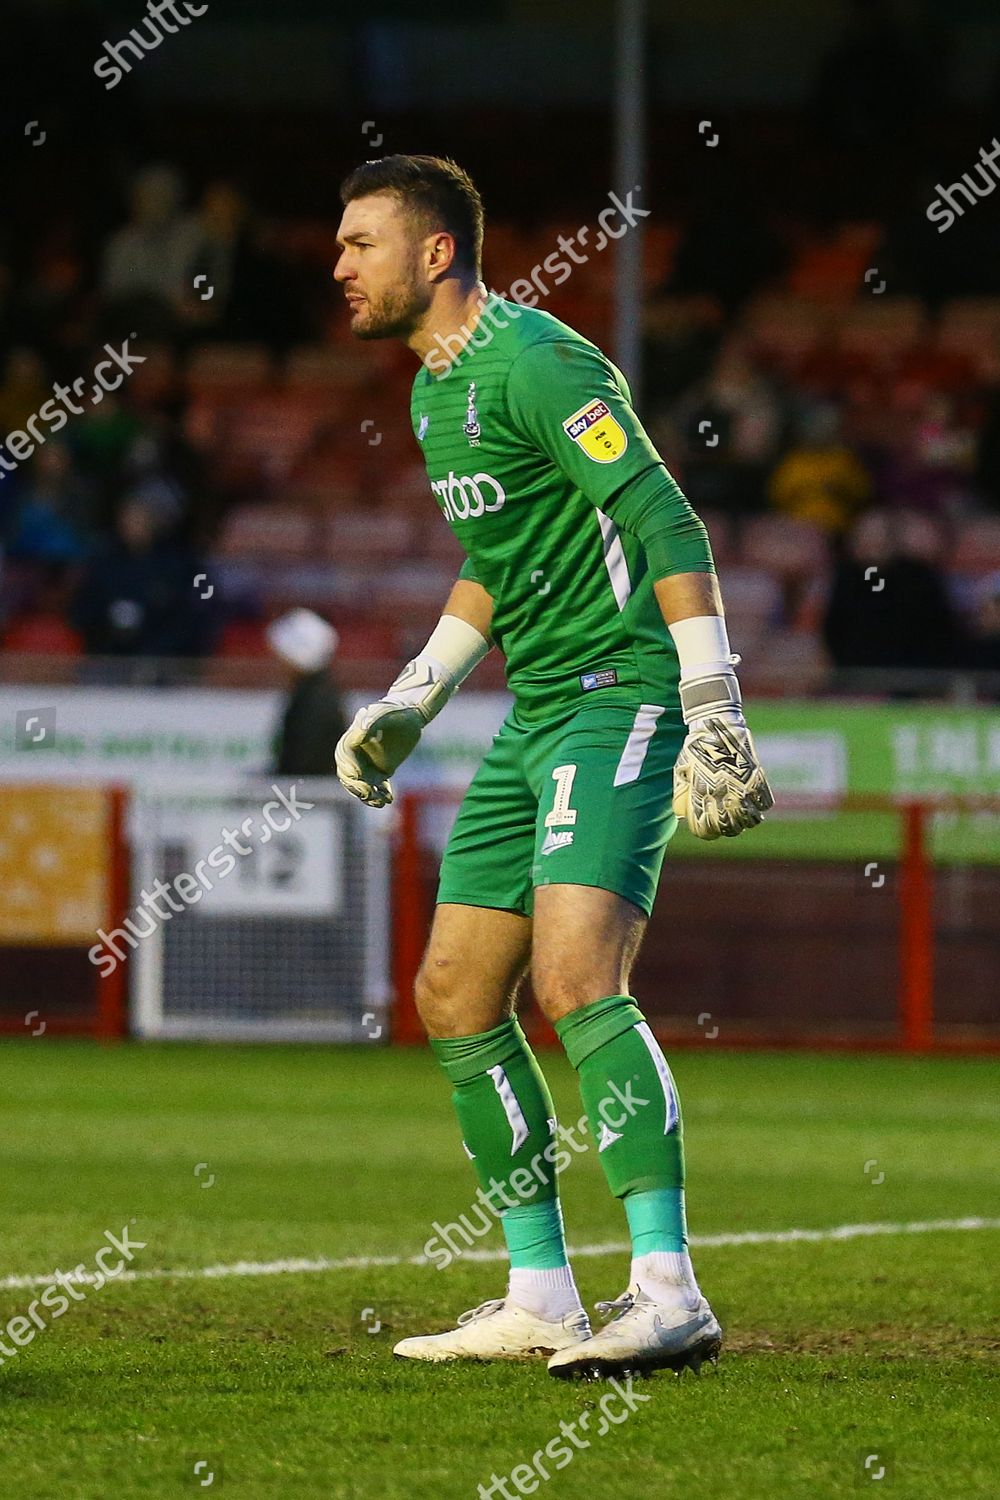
pixel 605 782
pixel 584 942
pixel 475 959
pixel 489 854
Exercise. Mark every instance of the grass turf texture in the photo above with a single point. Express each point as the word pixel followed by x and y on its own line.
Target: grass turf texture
pixel 834 1350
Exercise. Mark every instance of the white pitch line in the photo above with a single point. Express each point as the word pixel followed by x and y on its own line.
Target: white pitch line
pixel 369 1262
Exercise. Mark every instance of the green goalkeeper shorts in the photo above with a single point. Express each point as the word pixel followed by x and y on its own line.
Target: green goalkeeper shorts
pixel 581 800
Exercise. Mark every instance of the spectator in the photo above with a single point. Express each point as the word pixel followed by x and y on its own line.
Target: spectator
pixel 888 609
pixel 313 718
pixel 253 294
pixel 145 261
pixel 984 653
pixel 22 391
pixel 820 480
pixel 137 596
pixel 726 432
pixel 52 521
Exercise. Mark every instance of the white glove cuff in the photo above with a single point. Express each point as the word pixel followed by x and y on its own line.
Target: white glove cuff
pixel 708 683
pixel 702 644
pixel 427 682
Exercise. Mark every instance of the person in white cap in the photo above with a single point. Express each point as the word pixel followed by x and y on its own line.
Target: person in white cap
pixel 314 717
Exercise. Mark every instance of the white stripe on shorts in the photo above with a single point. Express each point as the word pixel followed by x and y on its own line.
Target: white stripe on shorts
pixel 637 744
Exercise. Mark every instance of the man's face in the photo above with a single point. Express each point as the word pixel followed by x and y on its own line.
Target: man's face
pixel 382 267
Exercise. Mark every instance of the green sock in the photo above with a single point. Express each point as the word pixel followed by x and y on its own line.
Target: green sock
pixel 634 1113
pixel 656 1221
pixel 508 1121
pixel 534 1235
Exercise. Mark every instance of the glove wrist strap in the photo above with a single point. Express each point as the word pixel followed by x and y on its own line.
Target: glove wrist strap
pixel 424 685
pixel 713 693
pixel 428 681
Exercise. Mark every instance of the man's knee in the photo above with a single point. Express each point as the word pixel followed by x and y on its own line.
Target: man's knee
pixel 436 986
pixel 452 1002
pixel 562 987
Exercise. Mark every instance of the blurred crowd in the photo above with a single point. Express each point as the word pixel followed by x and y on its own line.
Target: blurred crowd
pixel 836 421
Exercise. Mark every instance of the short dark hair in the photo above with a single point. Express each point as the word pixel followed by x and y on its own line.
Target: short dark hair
pixel 434 187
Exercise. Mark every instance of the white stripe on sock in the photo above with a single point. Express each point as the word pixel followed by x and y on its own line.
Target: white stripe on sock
pixel 515 1115
pixel 666 1082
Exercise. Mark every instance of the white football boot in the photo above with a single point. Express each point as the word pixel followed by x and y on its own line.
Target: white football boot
pixel 498 1330
pixel 643 1335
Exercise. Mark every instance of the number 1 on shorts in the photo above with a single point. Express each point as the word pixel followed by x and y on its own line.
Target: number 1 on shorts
pixel 562 815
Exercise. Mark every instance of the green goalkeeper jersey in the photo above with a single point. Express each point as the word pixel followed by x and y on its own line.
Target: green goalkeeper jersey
pixel 544 472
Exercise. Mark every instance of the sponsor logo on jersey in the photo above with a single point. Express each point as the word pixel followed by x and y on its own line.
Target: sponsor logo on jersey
pixel 599 434
pixel 472 429
pixel 607 677
pixel 425 422
pixel 463 498
pixel 608 1137
pixel 554 841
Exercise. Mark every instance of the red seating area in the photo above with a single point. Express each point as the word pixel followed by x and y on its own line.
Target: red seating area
pixel 315 492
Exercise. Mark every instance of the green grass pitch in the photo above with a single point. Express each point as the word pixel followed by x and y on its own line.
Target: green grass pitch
pixel 881 1348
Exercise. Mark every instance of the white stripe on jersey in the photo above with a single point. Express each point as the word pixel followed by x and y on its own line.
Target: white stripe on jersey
pixel 614 560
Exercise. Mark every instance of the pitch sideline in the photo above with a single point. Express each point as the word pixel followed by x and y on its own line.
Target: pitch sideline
pixel 296 1267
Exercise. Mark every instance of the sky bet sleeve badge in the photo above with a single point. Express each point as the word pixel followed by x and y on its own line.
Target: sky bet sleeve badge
pixel 598 433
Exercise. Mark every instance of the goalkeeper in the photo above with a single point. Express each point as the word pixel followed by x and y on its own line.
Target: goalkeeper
pixel 588 569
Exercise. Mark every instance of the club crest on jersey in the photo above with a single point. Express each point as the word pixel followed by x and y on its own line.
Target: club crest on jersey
pixel 598 433
pixel 472 429
pixel 425 422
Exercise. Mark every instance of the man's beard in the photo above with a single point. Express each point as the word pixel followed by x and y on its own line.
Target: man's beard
pixel 394 316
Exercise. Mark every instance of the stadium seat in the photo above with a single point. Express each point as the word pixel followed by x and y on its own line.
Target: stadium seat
pixel 412 583
pixel 977 547
pixel 831 267
pixel 881 330
pixel 243 638
pixel 406 486
pixel 668 320
pixel 266 435
pixel 267 532
pixel 367 640
pixel 441 545
pixel 754 604
pixel 790 548
pixel 326 370
pixel 788 663
pixel 367 537
pixel 659 250
pixel 229 367
pixel 971 312
pixel 326 479
pixel 783 330
pixel 314 586
pixel 921 535
pixel 40 633
pixel 977 345
pixel 721 534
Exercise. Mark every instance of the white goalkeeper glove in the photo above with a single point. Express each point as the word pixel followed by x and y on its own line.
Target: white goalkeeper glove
pixel 720 788
pixel 385 733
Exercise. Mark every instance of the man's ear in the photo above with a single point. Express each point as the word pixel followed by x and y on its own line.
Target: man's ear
pixel 440 251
